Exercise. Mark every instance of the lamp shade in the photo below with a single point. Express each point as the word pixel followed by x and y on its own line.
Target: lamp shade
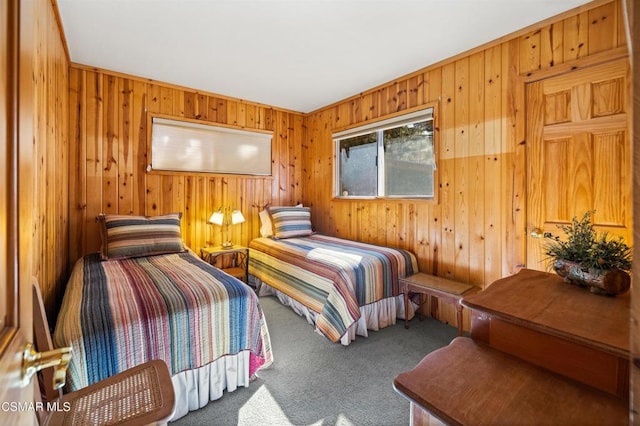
pixel 236 217
pixel 217 218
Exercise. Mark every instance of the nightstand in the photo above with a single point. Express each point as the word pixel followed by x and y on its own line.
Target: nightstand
pixel 233 260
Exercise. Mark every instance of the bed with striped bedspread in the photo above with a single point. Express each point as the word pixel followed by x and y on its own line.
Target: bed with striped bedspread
pixel 175 307
pixel 333 277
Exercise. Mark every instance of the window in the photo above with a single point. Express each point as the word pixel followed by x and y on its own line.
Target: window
pixel 193 147
pixel 390 158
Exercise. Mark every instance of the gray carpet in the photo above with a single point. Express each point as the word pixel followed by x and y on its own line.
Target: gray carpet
pixel 315 382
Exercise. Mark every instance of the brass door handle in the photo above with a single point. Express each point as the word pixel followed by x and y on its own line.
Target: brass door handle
pixel 536 233
pixel 33 361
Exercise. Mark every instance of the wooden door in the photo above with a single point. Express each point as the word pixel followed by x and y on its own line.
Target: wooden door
pixel 15 222
pixel 578 154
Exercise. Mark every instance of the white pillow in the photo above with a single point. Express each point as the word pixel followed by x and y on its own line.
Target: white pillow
pixel 266 228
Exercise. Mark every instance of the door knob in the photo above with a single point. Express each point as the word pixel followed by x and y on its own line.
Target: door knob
pixel 536 233
pixel 33 361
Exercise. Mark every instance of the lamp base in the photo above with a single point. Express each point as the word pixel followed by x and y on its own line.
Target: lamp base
pixel 228 244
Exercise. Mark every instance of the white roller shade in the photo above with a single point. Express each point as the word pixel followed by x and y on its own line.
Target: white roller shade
pixel 190 147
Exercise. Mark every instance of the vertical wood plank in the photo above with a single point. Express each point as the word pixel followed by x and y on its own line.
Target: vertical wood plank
pixel 221 111
pixel 189 207
pixel 296 136
pixel 110 146
pixel 342 116
pixel 202 107
pixel 375 109
pixel 494 157
pixel 462 170
pixel 603 28
pixel 514 168
pixel 241 116
pixel 157 105
pixel 166 201
pixel 179 103
pixel 367 106
pixel 355 106
pixel 232 113
pixel 401 95
pixel 126 160
pixel 77 163
pixel 189 105
pixel 93 100
pixel 282 194
pixel 447 171
pixel 167 101
pixel 421 241
pixel 250 114
pixel 530 52
pixel 476 179
pixel 433 92
pixel 139 144
pixel 575 36
pixel 551 45
pixel 414 91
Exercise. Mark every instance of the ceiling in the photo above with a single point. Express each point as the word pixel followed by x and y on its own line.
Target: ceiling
pixel 295 54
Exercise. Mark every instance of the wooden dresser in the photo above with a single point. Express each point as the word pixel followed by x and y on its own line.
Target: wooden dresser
pixel 561 327
pixel 541 352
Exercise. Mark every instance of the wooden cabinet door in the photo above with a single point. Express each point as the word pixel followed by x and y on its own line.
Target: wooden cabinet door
pixel 578 154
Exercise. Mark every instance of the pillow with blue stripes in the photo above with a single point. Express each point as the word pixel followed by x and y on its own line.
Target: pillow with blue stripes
pixel 291 221
pixel 125 236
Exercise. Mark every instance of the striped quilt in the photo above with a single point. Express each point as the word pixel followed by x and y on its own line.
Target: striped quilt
pixel 119 313
pixel 331 276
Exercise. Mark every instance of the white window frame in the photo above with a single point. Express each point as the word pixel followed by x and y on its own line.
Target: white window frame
pixel 424 113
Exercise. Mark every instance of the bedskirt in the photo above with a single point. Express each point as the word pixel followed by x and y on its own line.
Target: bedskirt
pixel 373 316
pixel 195 388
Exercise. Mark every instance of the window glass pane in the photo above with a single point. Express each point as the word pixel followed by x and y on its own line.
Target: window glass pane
pixel 409 160
pixel 393 157
pixel 358 166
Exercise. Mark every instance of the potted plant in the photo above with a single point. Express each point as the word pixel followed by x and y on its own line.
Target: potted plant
pixel 583 257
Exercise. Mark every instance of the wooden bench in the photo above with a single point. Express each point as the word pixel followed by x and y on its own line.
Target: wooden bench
pixel 442 288
pixel 470 383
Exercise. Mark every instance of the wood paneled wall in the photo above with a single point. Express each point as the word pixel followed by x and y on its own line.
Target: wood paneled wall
pixel 475 232
pixel 108 150
pixel 49 164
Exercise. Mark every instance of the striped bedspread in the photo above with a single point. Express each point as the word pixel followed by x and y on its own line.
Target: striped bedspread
pixel 330 276
pixel 119 313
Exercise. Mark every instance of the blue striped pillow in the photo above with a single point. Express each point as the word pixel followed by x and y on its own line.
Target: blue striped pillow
pixel 132 236
pixel 291 221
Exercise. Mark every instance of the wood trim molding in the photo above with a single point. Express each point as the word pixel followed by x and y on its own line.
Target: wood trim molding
pixel 588 61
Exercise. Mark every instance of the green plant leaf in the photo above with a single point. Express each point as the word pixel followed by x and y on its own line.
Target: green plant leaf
pixel 583 245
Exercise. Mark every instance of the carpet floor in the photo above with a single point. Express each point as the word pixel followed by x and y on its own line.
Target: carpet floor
pixel 313 381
